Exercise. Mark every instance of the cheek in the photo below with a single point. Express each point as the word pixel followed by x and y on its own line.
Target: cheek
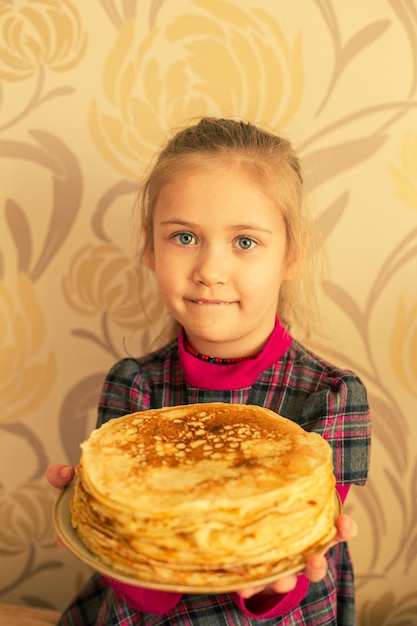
pixel 167 274
pixel 267 274
pixel 264 287
pixel 258 288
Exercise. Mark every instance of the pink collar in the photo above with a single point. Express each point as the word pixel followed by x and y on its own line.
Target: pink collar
pixel 198 373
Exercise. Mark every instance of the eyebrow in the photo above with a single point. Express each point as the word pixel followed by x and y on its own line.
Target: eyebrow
pixel 191 225
pixel 252 227
pixel 175 221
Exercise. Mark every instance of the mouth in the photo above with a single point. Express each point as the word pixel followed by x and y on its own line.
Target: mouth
pixel 212 302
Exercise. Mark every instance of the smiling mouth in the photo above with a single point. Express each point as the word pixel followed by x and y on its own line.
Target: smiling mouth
pixel 218 302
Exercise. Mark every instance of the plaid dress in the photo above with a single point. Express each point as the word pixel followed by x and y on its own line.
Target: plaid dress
pixel 299 385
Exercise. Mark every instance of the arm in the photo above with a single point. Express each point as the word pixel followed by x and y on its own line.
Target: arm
pixel 339 411
pixel 123 392
pixel 115 401
pixel 59 476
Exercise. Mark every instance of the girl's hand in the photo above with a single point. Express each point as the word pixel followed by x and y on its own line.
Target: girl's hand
pixel 59 476
pixel 316 566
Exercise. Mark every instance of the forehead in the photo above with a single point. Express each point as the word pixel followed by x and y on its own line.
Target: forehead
pixel 218 200
pixel 210 183
pixel 233 175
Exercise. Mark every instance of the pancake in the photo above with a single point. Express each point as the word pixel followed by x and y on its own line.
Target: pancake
pixel 203 494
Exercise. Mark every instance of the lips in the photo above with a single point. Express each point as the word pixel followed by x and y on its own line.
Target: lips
pixel 204 301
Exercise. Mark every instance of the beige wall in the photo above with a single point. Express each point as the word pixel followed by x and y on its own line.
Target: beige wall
pixel 88 91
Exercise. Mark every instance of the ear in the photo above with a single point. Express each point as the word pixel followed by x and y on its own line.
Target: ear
pixel 291 269
pixel 150 259
pixel 149 251
pixel 294 260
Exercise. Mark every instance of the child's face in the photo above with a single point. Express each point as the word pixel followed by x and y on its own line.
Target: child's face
pixel 219 253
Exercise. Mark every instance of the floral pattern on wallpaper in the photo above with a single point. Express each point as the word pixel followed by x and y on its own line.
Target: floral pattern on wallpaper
pixel 158 67
pixel 37 38
pixel 138 84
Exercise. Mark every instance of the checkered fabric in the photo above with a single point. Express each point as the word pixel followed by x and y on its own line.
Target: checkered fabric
pixel 300 386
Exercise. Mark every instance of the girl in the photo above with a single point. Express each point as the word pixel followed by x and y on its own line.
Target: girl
pixel 230 245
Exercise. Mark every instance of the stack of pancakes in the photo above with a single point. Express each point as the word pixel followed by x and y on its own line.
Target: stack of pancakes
pixel 203 495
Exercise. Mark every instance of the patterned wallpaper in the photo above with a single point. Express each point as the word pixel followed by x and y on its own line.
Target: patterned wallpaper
pixel 88 92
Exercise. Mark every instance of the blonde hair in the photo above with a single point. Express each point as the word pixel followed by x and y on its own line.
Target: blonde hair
pixel 270 161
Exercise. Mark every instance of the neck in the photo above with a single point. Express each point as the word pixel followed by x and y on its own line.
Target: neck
pixel 217 360
pixel 206 374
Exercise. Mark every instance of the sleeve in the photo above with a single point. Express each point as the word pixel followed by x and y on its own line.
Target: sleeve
pixel 339 412
pixel 125 390
pixel 276 605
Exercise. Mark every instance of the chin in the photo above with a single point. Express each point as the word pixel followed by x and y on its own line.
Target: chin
pixel 209 333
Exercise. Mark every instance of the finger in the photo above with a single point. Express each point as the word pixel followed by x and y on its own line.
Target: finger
pixel 286 584
pixel 58 541
pixel 347 528
pixel 316 568
pixel 248 592
pixel 283 585
pixel 59 475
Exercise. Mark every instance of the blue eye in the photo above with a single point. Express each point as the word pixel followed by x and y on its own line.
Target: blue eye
pixel 185 239
pixel 246 243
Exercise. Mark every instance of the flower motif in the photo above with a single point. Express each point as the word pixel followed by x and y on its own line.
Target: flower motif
pixel 26 518
pixel 404 347
pixel 216 59
pixel 38 33
pixel 26 372
pixel 406 177
pixel 103 279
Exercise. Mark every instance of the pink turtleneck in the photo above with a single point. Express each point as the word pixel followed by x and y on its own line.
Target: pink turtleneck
pixel 204 375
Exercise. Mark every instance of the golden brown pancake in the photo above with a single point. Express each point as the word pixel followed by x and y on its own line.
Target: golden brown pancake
pixel 204 494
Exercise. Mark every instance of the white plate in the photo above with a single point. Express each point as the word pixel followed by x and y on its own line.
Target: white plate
pixel 69 537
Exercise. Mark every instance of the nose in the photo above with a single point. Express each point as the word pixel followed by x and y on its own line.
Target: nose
pixel 210 268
